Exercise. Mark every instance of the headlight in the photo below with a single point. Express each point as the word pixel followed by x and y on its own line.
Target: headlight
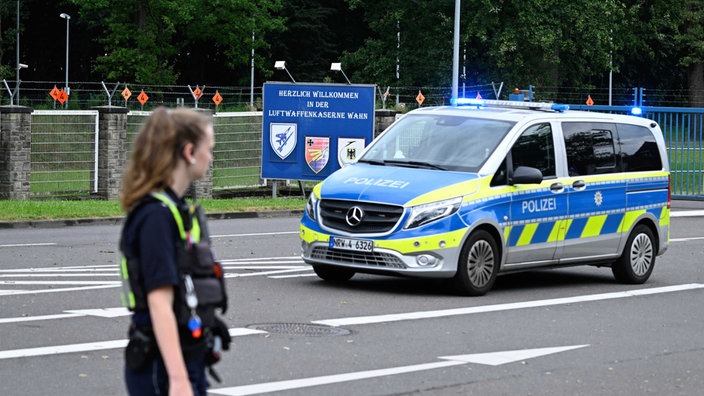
pixel 311 204
pixel 424 214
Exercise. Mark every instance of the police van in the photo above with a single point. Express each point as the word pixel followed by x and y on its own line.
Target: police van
pixel 468 192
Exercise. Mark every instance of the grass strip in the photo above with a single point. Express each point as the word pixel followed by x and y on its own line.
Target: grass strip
pixel 22 210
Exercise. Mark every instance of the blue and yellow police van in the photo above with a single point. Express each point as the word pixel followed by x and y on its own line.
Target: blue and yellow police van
pixel 468 192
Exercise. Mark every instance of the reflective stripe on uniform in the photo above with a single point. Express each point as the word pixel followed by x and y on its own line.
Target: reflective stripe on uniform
pixel 195 228
pixel 126 294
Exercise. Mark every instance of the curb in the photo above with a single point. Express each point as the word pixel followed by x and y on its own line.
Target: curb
pixel 118 220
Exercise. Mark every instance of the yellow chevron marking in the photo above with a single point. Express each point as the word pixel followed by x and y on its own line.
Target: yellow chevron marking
pixel 558 231
pixel 527 234
pixel 593 226
pixel 628 219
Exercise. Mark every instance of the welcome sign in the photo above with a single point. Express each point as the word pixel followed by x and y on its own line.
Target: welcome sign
pixel 311 130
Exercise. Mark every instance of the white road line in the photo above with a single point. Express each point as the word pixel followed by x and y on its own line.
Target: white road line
pixel 28 244
pixel 264 273
pixel 291 276
pixel 105 285
pixel 59 349
pixel 60 270
pixel 504 307
pixel 55 275
pixel 687 213
pixel 491 359
pixel 253 267
pixel 260 259
pixel 686 239
pixel 9 292
pixel 330 379
pixel 254 234
pixel 92 346
pixel 51 350
pixel 2 282
pixel 41 317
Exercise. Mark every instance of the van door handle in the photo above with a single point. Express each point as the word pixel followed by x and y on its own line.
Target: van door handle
pixel 557 187
pixel 579 185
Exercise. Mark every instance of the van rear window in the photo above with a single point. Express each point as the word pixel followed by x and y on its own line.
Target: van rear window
pixel 639 150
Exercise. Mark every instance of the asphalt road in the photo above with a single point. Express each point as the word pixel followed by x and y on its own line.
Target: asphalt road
pixel 568 331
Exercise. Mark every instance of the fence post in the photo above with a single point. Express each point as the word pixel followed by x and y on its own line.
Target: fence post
pixel 382 119
pixel 15 151
pixel 204 187
pixel 112 138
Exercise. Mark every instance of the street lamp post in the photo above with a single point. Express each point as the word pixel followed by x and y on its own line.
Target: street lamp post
pixel 67 17
pixel 456 51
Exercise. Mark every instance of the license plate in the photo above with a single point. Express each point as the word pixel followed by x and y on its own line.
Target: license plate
pixel 358 245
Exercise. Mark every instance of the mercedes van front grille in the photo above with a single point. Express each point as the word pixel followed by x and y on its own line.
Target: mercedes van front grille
pixel 359 217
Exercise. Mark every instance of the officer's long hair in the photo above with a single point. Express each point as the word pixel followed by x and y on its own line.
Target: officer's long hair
pixel 157 150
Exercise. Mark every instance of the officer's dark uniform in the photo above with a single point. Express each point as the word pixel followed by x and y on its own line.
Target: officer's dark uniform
pixel 160 249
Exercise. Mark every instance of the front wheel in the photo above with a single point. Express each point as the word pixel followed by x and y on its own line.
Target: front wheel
pixel 333 274
pixel 478 265
pixel 638 259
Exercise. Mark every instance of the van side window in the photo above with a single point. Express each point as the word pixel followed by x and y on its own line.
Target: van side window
pixel 590 148
pixel 639 150
pixel 499 178
pixel 535 148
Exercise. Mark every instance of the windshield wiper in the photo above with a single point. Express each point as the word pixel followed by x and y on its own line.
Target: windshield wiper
pixel 372 162
pixel 415 164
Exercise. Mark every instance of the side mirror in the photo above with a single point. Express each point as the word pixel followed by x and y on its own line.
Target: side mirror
pixel 526 175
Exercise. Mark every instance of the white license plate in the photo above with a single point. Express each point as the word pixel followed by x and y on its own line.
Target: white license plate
pixel 358 245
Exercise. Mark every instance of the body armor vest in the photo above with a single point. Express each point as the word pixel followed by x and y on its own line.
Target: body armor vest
pixel 201 286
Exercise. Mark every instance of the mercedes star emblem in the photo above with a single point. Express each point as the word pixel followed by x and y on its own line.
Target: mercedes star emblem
pixel 354 216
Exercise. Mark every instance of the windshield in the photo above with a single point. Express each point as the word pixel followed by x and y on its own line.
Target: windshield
pixel 438 142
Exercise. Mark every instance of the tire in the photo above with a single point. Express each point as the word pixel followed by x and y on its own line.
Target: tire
pixel 478 265
pixel 333 274
pixel 638 258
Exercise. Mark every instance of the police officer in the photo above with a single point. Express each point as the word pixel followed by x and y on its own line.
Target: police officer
pixel 169 333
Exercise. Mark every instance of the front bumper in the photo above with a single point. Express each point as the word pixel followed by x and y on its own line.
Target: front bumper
pixel 433 256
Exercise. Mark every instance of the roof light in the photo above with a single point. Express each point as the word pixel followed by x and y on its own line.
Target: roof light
pixel 509 104
pixel 636 111
pixel 467 102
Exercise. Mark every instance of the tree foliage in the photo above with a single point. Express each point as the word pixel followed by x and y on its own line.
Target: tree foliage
pixel 657 44
pixel 154 41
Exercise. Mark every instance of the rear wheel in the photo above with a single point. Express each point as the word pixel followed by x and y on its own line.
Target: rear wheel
pixel 478 265
pixel 638 259
pixel 333 274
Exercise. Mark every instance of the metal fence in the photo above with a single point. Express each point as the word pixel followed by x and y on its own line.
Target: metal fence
pixel 237 154
pixel 86 95
pixel 64 154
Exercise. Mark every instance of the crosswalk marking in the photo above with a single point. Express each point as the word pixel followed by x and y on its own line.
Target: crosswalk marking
pixel 21 281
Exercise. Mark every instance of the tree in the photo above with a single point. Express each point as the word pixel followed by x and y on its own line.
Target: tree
pixel 145 41
pixel 690 39
pixel 543 42
pixel 5 36
pixel 416 35
pixel 316 34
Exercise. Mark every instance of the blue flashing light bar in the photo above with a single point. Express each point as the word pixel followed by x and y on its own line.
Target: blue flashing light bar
pixel 637 111
pixel 471 102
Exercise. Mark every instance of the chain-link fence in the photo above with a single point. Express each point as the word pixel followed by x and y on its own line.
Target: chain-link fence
pixel 86 95
pixel 64 156
pixel 63 152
